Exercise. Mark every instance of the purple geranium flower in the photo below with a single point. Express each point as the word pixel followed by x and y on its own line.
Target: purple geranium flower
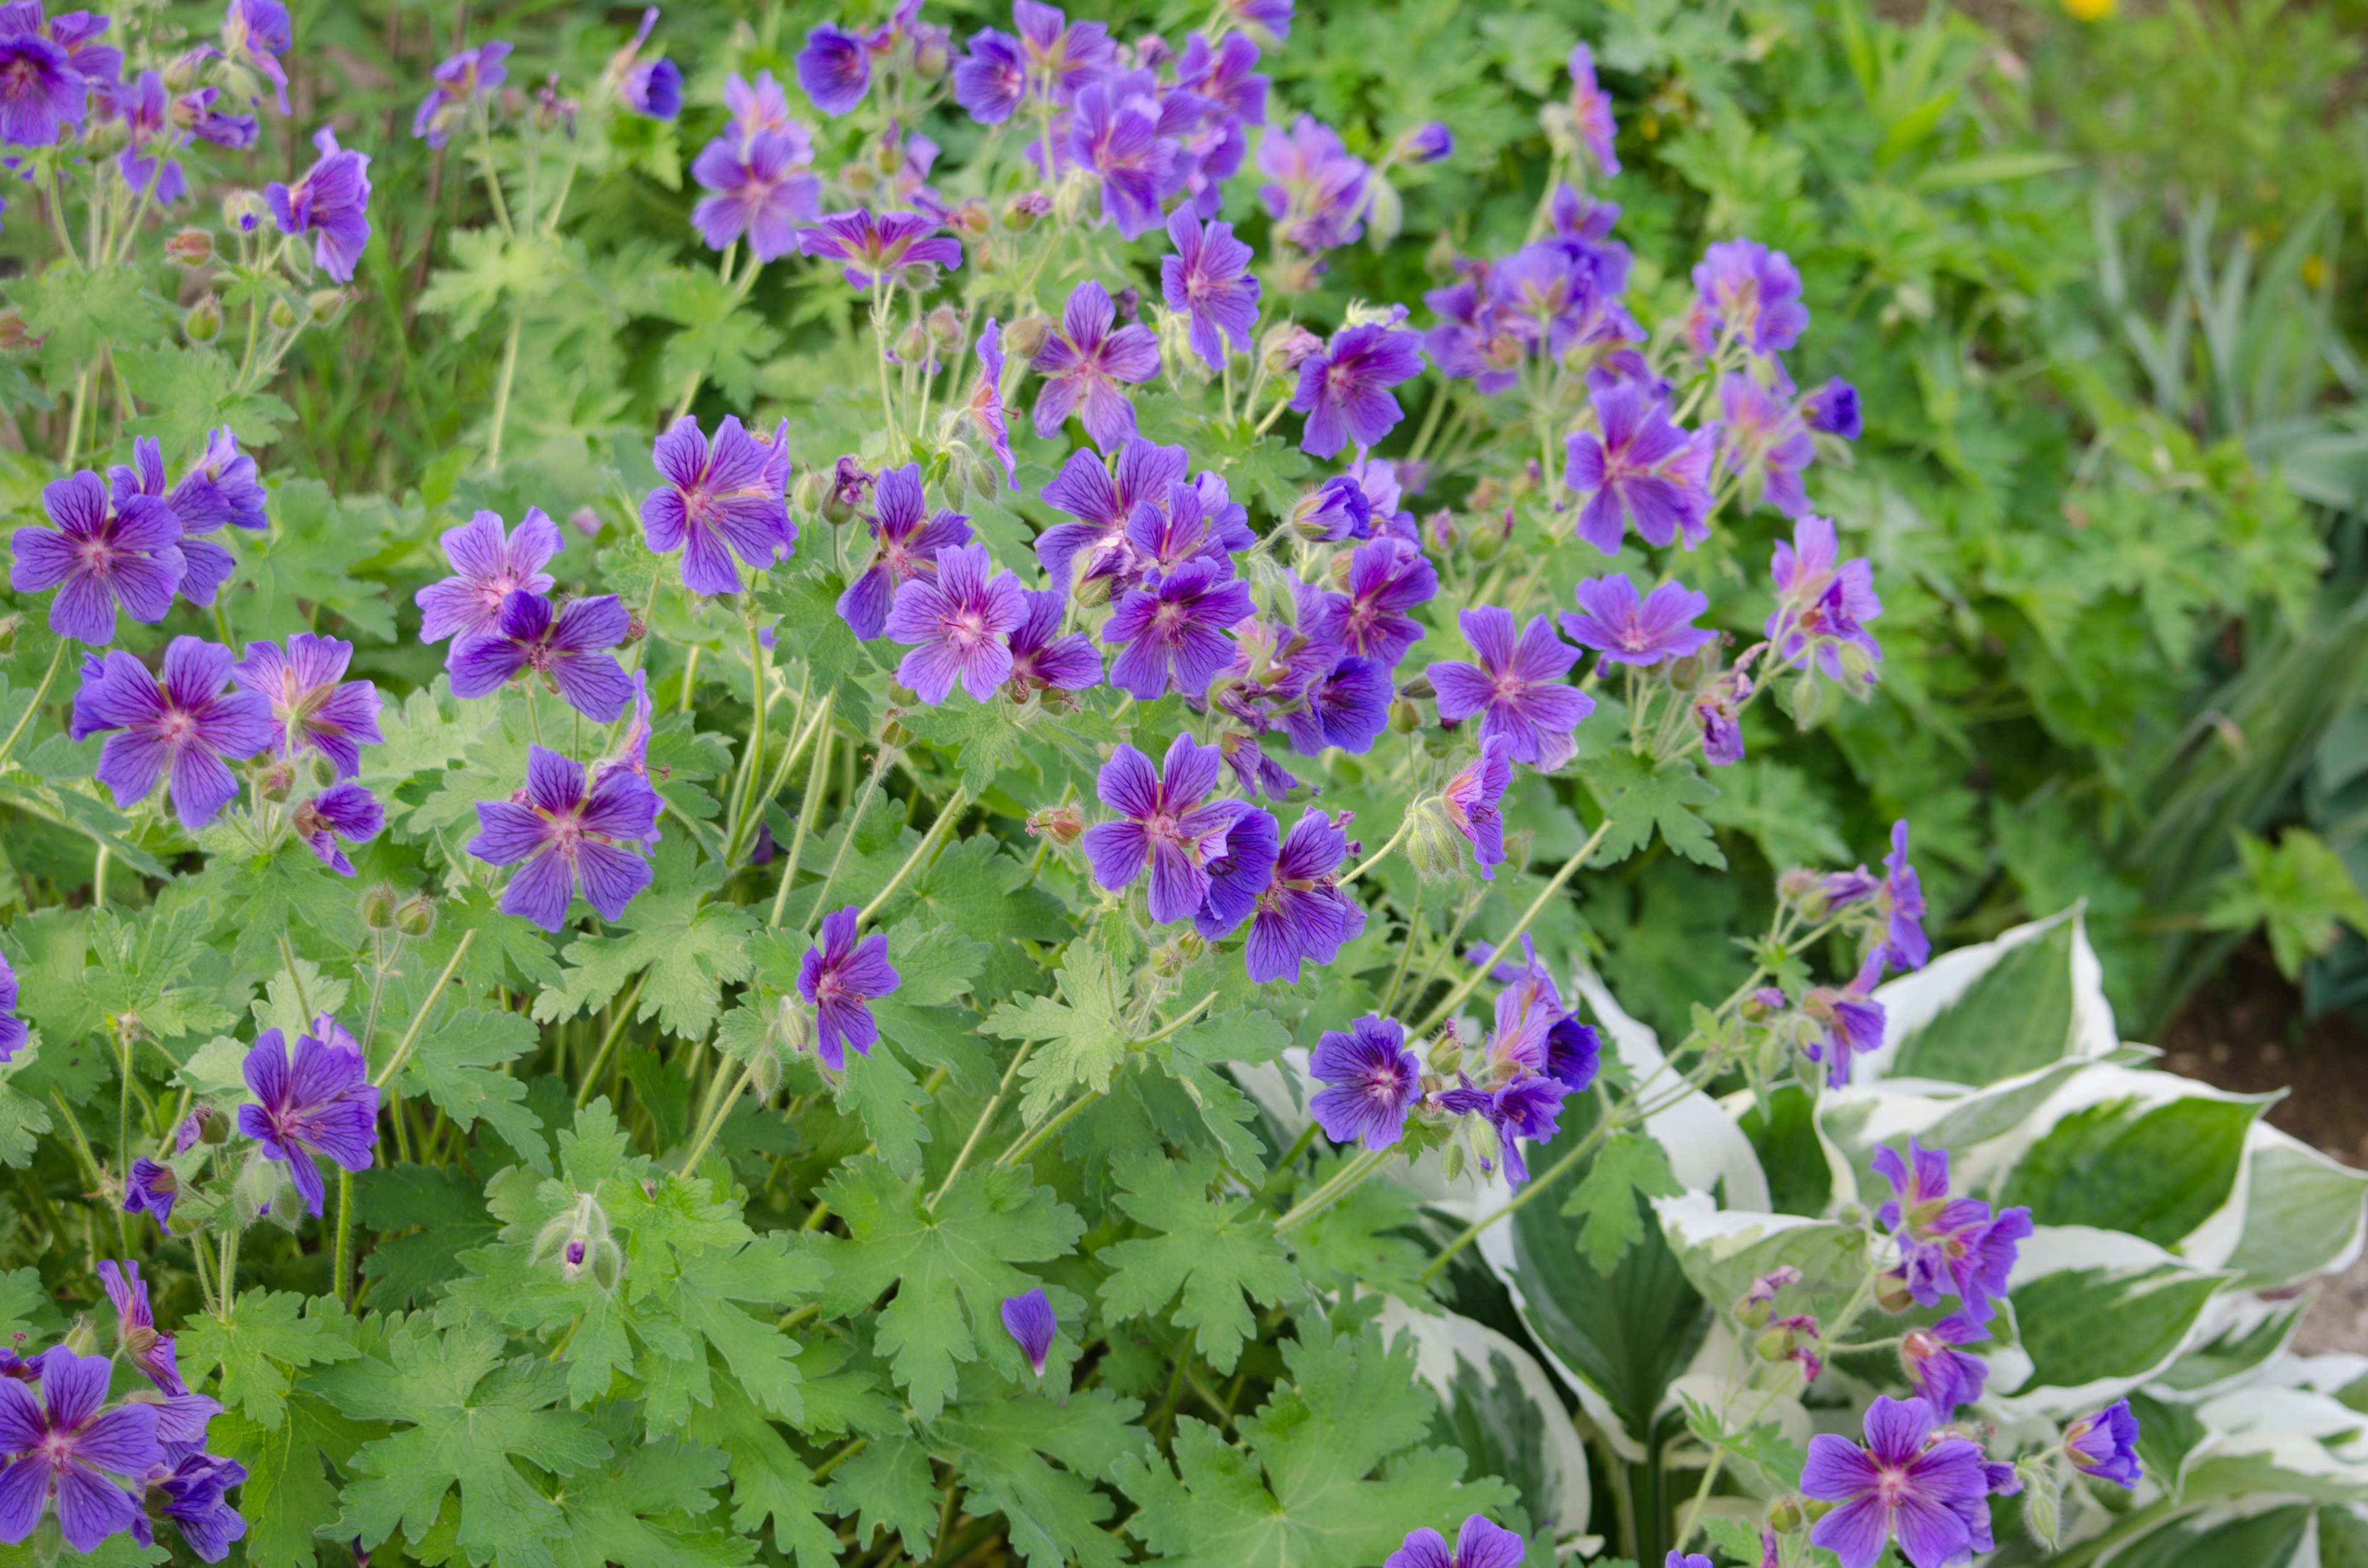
pixel 1481 1543
pixel 254 34
pixel 1947 1245
pixel 1517 690
pixel 835 66
pixel 1387 578
pixel 840 979
pixel 99 557
pixel 1718 714
pixel 181 1415
pixel 1301 913
pixel 720 500
pixel 1591 111
pixel 910 536
pixel 764 187
pixel 331 203
pixel 1028 1320
pixel 1173 632
pixel 1425 143
pixel 1527 1107
pixel 569 839
pixel 1315 191
pixel 1208 281
pixel 1626 629
pixel 312 706
pixel 342 811
pixel 147 169
pixel 1643 467
pixel 886 248
pixel 1822 603
pixel 184 724
pixel 1902 1482
pixel 1761 439
pixel 985 408
pixel 2105 1443
pixel 487 567
pixel 40 90
pixel 1114 132
pixel 1747 294
pixel 323 1103
pixel 1083 362
pixel 1345 390
pixel 1901 901
pixel 460 82
pixel 1469 800
pixel 1943 1376
pixel 206 565
pixel 957 621
pixel 1043 659
pixel 13 1033
pixel 1832 409
pixel 567 649
pixel 1165 821
pixel 1852 1021
pixel 1103 506
pixel 221 487
pixel 1237 873
pixel 1336 509
pixel 1346 704
pixel 152 1189
pixel 1373 1082
pixel 65 1445
pixel 193 1499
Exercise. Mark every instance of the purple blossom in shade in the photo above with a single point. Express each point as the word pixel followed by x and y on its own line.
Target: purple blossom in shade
pixel 1832 409
pixel 1851 1022
pixel 12 1032
pixel 1103 503
pixel 1345 390
pixel 718 500
pixel 1545 295
pixel 62 1443
pixel 222 487
pixel 331 203
pixel 1315 190
pixel 1947 1245
pixel 206 565
pixel 1642 468
pixel 1626 629
pixel 1517 688
pixel 311 704
pixel 1336 509
pixel 1174 632
pixel 488 566
pixel 255 33
pixel 1115 131
pixel 1085 360
pixel 1268 20
pixel 888 248
pixel 1253 770
pixel 1574 1054
pixel 568 838
pixel 1371 1082
pixel 1238 874
pixel 835 68
pixel 761 106
pixel 147 170
pixel 100 557
pixel 1527 1107
pixel 194 1492
pixel 1822 602
pixel 460 82
pixel 1686 1560
pixel 1469 800
pixel 1387 579
pixel 1477 338
pixel 1208 281
pixel 1901 900
pixel 181 1415
pixel 1590 112
pixel 1302 914
pixel 840 979
pixel 152 1189
pixel 182 726
pixel 1044 660
pixel 40 90
pixel 1345 705
pixel 1426 143
pixel 2105 1443
pixel 1762 440
pixel 1901 1483
pixel 1718 714
pixel 1028 1320
pixel 568 649
pixel 342 811
pixel 957 621
pixel 1943 1376
pixel 986 405
pixel 195 112
pixel 909 536
pixel 762 186
pixel 323 1103
pixel 1164 821
pixel 1747 294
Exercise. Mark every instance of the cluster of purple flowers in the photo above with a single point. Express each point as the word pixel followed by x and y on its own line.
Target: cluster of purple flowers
pixel 759 173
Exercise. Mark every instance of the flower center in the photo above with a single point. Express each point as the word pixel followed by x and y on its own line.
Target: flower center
pixel 97 553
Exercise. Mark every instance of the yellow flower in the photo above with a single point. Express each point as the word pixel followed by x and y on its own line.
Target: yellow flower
pixel 2090 10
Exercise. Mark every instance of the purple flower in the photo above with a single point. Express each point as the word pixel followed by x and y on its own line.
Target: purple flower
pixel 311 706
pixel 1028 1320
pixel 840 979
pixel 342 811
pixel 331 203
pixel 1718 714
pixel 1832 409
pixel 193 1500
pixel 181 1417
pixel 1469 800
pixel 1901 901
pixel 1346 704
pixel 255 33
pixel 1821 606
pixel 835 68
pixel 1268 20
pixel 184 724
pixel 1043 660
pixel 986 407
pixel 323 1103
pixel 764 187
pixel 720 501
pixel 1208 281
pixel 99 557
pixel 1050 61
pixel 910 537
pixel 1689 1559
pixel 888 248
pixel 1336 509
pixel 1851 1020
pixel 1426 143
pixel 2105 1443
pixel 1163 537
pixel 760 107
pixel 1943 1376
pixel 1548 296
pixel 40 90
pixel 1114 132
pixel 459 83
pixel 1747 294
pixel 1387 578
pixel 569 839
pixel 1643 467
pixel 62 1443
pixel 958 623
pixel 1373 1081
pixel 1165 821
pixel 1902 1483
pixel 488 567
pixel 1173 632
pixel 1104 506
pixel 1084 361
pixel 1518 691
pixel 1315 191
pixel 1528 1106
pixel 1302 914
pixel 1947 1245
pixel 195 111
pixel 1762 441
pixel 206 565
pixel 652 88
pixel 1237 873
pixel 152 1189
pixel 1477 339
pixel 222 487
pixel 1628 630
pixel 1345 390
pixel 144 167
pixel 1591 111
pixel 568 650
pixel 1574 1054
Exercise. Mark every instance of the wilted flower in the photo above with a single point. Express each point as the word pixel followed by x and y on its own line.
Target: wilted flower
pixel 344 811
pixel 1470 801
pixel 1943 1376
pixel 1591 111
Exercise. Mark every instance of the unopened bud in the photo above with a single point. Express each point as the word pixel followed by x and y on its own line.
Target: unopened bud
pixel 586 519
pixel 1406 716
pixel 765 1076
pixel 1093 591
pixel 213 1128
pixel 203 324
pixel 1814 1508
pixel 276 782
pixel 1451 1161
pixel 1776 1344
pixel 1891 1292
pixel 1432 844
pixel 322 305
pixel 244 210
pixel 1784 1514
pixel 912 345
pixel 1753 1312
pixel 415 916
pixel 378 908
pixel 282 315
pixel 1285 346
pixel 813 489
pixel 970 219
pixel 1063 825
pixel 1486 542
pixel 946 326
pixel 1685 674
pixel 190 247
pixel 636 627
pixel 1446 1053
pixel 794 1024
pixel 1020 214
pixel 1023 337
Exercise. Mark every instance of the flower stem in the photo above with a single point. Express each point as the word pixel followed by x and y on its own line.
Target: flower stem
pixel 419 1020
pixel 1370 861
pixel 846 841
pixel 1465 986
pixel 609 1041
pixel 815 776
pixel 978 1128
pixel 41 691
pixel 715 1121
pixel 953 809
pixel 1348 1177
pixel 502 389
pixel 345 1254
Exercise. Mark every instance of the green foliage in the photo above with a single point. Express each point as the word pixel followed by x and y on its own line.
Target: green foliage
pixel 2300 890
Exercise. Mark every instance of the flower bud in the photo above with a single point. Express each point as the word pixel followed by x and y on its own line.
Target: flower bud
pixel 1433 845
pixel 930 54
pixel 1294 274
pixel 1784 1514
pixel 1486 542
pixel 282 315
pixel 415 916
pixel 1685 674
pixel 587 521
pixel 1814 1508
pixel 204 1125
pixel 1092 591
pixel 276 782
pixel 2042 1501
pixel 1446 1053
pixel 765 1076
pixel 190 247
pixel 912 345
pixel 1023 337
pixel 82 1339
pixel 1285 346
pixel 261 1188
pixel 203 324
pixel 244 210
pixel 378 908
pixel 1406 716
pixel 946 327
pixel 813 489
pixel 1451 1161
pixel 1425 145
pixel 1066 824
pixel 322 305
pixel 1020 214
pixel 1891 1292
pixel 1776 1343
pixel 1481 1133
pixel 794 1026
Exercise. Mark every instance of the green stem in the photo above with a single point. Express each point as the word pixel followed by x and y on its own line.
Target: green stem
pixel 978 1128
pixel 1465 986
pixel 502 388
pixel 1375 859
pixel 419 1020
pixel 41 691
pixel 946 815
pixel 744 805
pixel 715 1122
pixel 609 1041
pixel 814 777
pixel 1367 1162
pixel 846 840
pixel 1035 1139
pixel 345 1254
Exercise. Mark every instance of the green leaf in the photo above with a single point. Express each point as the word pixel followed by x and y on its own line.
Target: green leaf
pixel 405 1270
pixel 1215 1250
pixel 489 266
pixel 1000 1446
pixel 692 949
pixel 889 1486
pixel 23 1118
pixel 648 1508
pixel 810 627
pixel 1992 168
pixel 1637 799
pixel 79 312
pixel 190 393
pixel 721 336
pixel 1367 1235
pixel 458 1062
pixel 1626 1166
pixel 1081 1036
pixel 2301 1212
pixel 1794 822
pixel 768 1479
pixel 2156 1172
pixel 986 735
pixel 2302 891
pixel 269 896
pixel 1194 1056
pixel 2111 1310
pixel 305 564
pixel 287 1492
pixel 2015 1017
pixel 257 1343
